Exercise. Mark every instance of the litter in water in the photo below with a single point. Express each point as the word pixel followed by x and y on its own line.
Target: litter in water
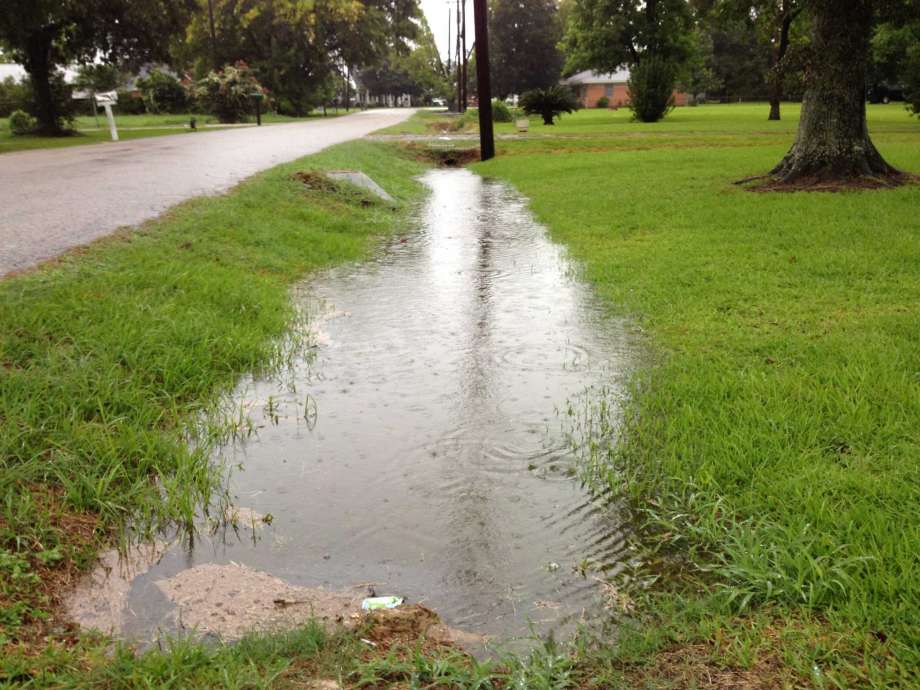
pixel 375 603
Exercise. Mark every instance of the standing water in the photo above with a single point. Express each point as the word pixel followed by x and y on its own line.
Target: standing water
pixel 431 460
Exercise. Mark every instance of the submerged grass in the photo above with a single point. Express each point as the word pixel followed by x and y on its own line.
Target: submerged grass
pixel 110 357
pixel 776 442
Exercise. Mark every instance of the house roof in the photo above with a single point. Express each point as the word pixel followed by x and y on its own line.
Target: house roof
pixel 18 72
pixel 621 76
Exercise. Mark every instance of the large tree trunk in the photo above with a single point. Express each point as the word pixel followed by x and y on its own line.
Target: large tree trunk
pixel 833 144
pixel 38 65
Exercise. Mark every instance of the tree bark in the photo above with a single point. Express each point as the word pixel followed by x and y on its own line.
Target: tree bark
pixel 833 144
pixel 779 54
pixel 38 65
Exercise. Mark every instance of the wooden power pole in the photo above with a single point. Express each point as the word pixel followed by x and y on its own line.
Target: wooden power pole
pixel 463 72
pixel 483 82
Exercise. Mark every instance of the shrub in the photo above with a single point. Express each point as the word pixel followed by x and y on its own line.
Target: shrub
pixel 549 103
pixel 131 103
pixel 21 123
pixel 14 95
pixel 500 111
pixel 162 93
pixel 602 102
pixel 651 89
pixel 228 94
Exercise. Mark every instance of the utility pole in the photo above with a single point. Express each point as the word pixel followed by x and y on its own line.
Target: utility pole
pixel 214 64
pixel 483 81
pixel 448 37
pixel 457 66
pixel 466 97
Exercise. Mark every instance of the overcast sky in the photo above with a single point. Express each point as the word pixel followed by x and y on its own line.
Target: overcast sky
pixel 437 13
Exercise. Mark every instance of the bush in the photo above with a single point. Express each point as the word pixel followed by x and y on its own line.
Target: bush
pixel 131 103
pixel 14 95
pixel 162 93
pixel 651 89
pixel 228 94
pixel 602 102
pixel 500 111
pixel 549 103
pixel 21 123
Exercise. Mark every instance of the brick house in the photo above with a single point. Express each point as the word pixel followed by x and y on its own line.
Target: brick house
pixel 590 86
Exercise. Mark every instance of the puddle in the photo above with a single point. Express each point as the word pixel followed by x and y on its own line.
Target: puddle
pixel 418 452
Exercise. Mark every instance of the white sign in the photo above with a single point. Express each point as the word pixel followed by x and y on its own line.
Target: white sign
pixel 107 98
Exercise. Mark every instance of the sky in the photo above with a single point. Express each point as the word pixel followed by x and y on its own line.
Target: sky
pixel 437 13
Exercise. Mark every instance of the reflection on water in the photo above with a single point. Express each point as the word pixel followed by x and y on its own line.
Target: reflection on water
pixel 436 468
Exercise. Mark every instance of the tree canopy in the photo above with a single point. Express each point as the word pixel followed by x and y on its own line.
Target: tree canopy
pixel 524 53
pixel 44 34
pixel 606 34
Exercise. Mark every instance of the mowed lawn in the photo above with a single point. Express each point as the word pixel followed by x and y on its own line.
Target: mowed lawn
pixel 90 130
pixel 774 441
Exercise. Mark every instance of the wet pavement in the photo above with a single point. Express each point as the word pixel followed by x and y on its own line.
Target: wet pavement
pixel 55 199
pixel 420 450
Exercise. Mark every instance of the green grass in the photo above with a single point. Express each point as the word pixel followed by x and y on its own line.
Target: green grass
pixel 153 126
pixel 776 440
pixel 114 358
pixel 425 122
pixel 770 449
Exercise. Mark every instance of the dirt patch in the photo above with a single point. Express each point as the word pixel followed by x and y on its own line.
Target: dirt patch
pixel 766 183
pixel 98 603
pixel 444 157
pixel 316 181
pixel 228 601
pixel 78 535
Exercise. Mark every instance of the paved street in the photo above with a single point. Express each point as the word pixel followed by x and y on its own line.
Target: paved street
pixel 53 200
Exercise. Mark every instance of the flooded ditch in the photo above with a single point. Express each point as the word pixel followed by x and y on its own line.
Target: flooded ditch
pixel 419 451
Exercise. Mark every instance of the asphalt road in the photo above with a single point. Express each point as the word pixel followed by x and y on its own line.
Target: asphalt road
pixel 56 199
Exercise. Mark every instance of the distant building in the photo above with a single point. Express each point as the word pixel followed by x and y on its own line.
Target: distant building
pixel 590 86
pixel 18 72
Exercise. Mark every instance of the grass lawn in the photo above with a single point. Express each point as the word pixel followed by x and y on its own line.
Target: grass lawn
pixel 771 449
pixel 153 126
pixel 775 442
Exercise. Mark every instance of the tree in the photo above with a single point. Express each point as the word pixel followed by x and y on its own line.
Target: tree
pixel 833 144
pixel 606 34
pixel 549 103
pixel 295 46
pixel 419 72
pixel 44 34
pixel 895 63
pixel 523 39
pixel 773 21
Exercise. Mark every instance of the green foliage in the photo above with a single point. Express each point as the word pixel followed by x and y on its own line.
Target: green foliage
pixel 131 103
pixel 549 103
pixel 229 93
pixel 163 93
pixel 14 95
pixel 45 34
pixel 604 34
pixel 501 112
pixel 651 89
pixel 524 37
pixel 98 77
pixel 602 102
pixel 896 60
pixel 295 47
pixel 21 123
